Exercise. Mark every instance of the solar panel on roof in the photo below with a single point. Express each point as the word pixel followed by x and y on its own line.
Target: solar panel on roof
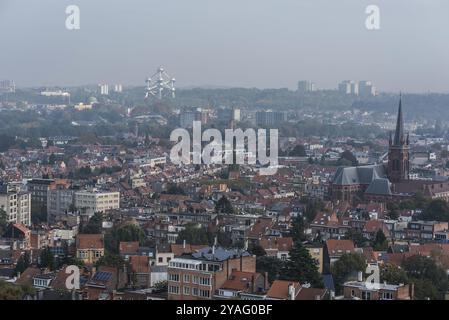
pixel 102 276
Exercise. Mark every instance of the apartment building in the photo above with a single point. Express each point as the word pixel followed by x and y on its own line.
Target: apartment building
pixel 91 201
pixel 199 275
pixel 59 201
pixel 16 203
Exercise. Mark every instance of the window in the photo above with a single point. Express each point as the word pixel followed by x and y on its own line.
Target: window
pixel 195 279
pixel 173 289
pixel 204 293
pixel 352 293
pixel 160 259
pixel 186 278
pixel 366 295
pixel 387 296
pixel 194 291
pixel 283 256
pixel 205 281
pixel 173 277
pixel 186 291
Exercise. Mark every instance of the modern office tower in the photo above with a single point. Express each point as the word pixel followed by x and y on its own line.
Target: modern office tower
pixel 188 116
pixel 270 118
pixel 104 89
pixel 16 203
pixel 7 86
pixel 306 86
pixel 118 88
pixel 39 189
pixel 236 116
pixel 228 114
pixel 349 87
pixel 366 89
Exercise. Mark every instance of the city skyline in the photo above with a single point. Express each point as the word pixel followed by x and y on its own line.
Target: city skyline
pixel 227 44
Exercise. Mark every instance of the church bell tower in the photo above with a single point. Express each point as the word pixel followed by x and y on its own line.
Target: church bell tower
pixel 398 152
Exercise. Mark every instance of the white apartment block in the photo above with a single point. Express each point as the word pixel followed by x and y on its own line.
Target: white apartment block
pixel 16 204
pixel 89 202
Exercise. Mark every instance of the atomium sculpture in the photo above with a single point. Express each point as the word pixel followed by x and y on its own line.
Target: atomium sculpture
pixel 160 84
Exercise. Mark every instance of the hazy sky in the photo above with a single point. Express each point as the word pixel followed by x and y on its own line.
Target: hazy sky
pixel 248 43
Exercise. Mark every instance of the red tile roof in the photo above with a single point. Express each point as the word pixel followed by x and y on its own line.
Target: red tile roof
pixel 90 241
pixel 279 289
pixel 339 247
pixel 129 247
pixel 241 281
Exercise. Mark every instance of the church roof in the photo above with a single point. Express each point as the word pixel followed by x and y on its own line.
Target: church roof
pixel 358 175
pixel 379 186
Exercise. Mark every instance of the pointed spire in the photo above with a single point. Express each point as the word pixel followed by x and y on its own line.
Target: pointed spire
pixel 399 133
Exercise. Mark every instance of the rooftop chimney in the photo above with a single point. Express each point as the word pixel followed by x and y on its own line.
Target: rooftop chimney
pixel 360 276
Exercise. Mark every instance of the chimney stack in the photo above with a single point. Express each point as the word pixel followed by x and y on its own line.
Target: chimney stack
pixel 360 276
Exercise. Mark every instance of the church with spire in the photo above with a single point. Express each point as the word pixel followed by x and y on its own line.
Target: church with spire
pixel 386 181
pixel 398 151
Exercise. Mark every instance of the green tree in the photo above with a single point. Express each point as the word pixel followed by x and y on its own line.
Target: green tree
pixel 380 242
pixel 297 230
pixel 110 260
pixel 224 239
pixel 161 286
pixel 393 274
pixel 272 265
pixel 347 158
pixel 298 151
pixel 347 265
pixel 194 234
pixel 47 259
pixel 22 263
pixel 10 291
pixel 224 206
pixel 301 267
pixel 257 250
pixel 95 224
pixel 356 236
pixel 436 210
pixel 313 206
pixel 126 232
pixel 431 280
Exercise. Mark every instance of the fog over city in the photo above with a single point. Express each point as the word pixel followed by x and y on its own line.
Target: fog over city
pixel 233 43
